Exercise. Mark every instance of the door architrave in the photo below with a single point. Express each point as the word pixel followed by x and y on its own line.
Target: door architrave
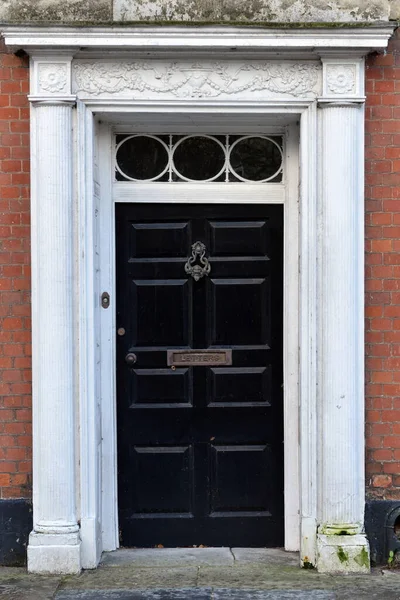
pixel 107 194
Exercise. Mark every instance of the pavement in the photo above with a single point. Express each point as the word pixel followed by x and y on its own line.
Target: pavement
pixel 200 574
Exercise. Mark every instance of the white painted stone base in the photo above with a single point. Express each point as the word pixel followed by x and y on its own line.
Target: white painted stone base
pixel 343 554
pixel 57 554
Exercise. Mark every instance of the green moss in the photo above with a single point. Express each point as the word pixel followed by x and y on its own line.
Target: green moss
pixel 339 529
pixel 81 23
pixel 33 12
pixel 362 559
pixel 342 555
pixel 308 565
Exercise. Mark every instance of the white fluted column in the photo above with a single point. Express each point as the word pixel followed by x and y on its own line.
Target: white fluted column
pixel 342 545
pixel 54 544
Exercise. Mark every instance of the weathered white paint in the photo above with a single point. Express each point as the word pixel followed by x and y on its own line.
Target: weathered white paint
pixel 341 335
pixel 217 193
pixel 54 544
pixel 321 424
pixel 230 40
pixel 308 306
pixel 343 553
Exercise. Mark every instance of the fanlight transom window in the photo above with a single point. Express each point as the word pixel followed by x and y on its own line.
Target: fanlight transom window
pixel 199 158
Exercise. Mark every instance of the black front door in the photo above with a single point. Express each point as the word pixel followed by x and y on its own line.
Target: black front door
pixel 200 448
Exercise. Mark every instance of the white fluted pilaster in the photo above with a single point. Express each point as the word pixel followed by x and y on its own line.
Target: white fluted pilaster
pixel 54 544
pixel 341 323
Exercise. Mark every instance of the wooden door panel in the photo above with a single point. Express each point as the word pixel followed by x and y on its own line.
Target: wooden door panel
pixel 160 388
pixel 248 464
pixel 152 241
pixel 163 317
pixel 239 239
pixel 153 467
pixel 239 386
pixel 246 321
pixel 200 446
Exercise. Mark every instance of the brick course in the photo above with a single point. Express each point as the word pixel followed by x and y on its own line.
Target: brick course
pixel 15 284
pixel 382 276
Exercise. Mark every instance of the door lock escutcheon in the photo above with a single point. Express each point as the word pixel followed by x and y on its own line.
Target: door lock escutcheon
pixel 105 300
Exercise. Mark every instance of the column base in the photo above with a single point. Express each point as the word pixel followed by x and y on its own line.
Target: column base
pixel 343 554
pixel 54 554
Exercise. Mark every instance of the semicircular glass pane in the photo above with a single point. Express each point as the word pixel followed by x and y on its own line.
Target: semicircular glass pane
pixel 142 158
pixel 256 158
pixel 199 158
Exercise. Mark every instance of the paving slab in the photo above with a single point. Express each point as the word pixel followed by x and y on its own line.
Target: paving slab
pixel 183 594
pixel 266 556
pixel 132 578
pixel 17 584
pixel 168 557
pixel 225 594
pixel 367 587
pixel 201 594
pixel 259 576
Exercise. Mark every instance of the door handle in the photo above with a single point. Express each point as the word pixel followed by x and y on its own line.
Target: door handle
pixel 130 359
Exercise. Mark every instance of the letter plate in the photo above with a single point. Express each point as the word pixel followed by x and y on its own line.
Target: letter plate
pixel 199 358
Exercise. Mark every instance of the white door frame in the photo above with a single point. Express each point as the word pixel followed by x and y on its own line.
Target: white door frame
pixel 286 194
pixel 111 79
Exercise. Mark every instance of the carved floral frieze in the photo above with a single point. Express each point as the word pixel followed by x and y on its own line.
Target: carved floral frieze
pixel 188 80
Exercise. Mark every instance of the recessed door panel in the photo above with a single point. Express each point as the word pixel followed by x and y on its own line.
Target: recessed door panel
pixel 152 241
pixel 163 316
pixel 153 467
pixel 155 388
pixel 239 312
pixel 242 239
pixel 239 386
pixel 200 436
pixel 247 464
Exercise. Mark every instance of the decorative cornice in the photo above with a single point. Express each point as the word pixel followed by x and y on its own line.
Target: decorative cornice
pixel 228 39
pixel 188 80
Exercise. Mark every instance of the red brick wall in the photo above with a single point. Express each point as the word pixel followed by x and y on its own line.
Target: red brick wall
pixel 15 349
pixel 383 273
pixel 382 276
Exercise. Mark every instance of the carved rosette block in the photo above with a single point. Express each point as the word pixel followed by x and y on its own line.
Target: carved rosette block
pixel 342 78
pixel 51 78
